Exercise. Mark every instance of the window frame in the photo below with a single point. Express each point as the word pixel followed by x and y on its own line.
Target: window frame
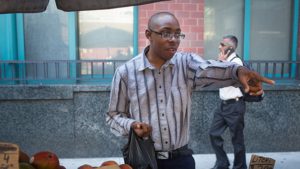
pixel 295 26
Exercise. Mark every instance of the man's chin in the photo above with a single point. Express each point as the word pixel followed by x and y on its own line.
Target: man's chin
pixel 168 56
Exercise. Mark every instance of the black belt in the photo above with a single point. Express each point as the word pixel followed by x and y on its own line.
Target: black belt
pixel 182 151
pixel 230 101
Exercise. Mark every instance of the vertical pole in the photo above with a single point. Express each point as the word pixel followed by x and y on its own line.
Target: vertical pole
pixel 135 30
pixel 21 47
pixel 73 49
pixel 295 38
pixel 247 30
pixel 8 45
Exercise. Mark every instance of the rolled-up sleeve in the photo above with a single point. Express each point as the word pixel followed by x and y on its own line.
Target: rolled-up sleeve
pixel 118 116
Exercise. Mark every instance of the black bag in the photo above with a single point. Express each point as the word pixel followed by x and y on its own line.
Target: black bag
pixel 250 98
pixel 139 153
pixel 246 96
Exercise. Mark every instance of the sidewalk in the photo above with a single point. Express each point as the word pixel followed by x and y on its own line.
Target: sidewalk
pixel 284 160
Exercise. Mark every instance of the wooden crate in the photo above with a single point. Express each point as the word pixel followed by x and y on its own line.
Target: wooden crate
pixel 260 162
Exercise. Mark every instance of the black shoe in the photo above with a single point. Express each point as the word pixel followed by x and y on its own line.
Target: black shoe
pixel 217 167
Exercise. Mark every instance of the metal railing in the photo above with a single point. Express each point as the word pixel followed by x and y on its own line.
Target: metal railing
pixel 101 71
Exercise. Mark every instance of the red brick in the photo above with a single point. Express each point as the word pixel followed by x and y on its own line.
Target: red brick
pixel 190 7
pixel 182 1
pixel 192 50
pixel 197 29
pixel 191 36
pixel 196 43
pixel 190 22
pixel 147 7
pixel 197 14
pixel 200 36
pixel 184 43
pixel 200 51
pixel 185 29
pixel 196 1
pixel 159 6
pixel 200 6
pixel 142 14
pixel 143 21
pixel 177 7
pixel 182 14
pixel 150 13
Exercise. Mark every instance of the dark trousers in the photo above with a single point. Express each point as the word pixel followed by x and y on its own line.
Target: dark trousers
pixel 182 162
pixel 229 115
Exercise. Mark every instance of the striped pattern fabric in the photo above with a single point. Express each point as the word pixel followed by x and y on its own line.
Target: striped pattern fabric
pixel 162 97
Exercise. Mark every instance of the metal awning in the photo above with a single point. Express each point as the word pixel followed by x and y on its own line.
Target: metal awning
pixel 23 6
pixel 34 6
pixel 80 5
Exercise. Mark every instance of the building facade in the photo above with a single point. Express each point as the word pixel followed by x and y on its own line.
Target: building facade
pixel 56 68
pixel 67 47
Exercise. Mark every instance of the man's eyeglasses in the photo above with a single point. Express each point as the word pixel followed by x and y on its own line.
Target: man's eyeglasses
pixel 169 36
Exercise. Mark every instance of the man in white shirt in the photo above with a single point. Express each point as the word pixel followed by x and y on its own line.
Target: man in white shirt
pixel 229 114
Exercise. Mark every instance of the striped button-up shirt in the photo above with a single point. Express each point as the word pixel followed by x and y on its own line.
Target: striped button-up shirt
pixel 162 97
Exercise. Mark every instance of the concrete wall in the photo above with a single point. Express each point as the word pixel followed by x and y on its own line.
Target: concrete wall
pixel 70 120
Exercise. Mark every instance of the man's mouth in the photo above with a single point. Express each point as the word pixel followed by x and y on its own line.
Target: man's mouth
pixel 171 49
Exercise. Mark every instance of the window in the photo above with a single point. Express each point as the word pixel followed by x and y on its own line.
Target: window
pixel 46 39
pixel 266 30
pixel 105 35
pixel 222 18
pixel 271 34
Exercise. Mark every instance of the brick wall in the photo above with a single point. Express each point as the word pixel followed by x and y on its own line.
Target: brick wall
pixel 190 14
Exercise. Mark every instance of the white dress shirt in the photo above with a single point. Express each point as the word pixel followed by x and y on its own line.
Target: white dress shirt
pixel 231 92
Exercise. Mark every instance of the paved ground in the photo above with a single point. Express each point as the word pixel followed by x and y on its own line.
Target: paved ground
pixel 284 160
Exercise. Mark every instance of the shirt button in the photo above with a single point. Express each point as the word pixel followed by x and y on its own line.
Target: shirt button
pixel 162 114
pixel 161 101
pixel 166 142
pixel 165 129
pixel 159 86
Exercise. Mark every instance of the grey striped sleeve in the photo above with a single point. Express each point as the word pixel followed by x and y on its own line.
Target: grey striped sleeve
pixel 117 115
pixel 212 73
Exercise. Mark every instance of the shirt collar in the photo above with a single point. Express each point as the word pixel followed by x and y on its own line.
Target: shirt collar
pixel 231 56
pixel 146 64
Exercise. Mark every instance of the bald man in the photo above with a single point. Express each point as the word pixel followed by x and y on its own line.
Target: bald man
pixel 151 93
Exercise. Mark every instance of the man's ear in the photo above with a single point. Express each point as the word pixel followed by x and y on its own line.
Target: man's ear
pixel 147 34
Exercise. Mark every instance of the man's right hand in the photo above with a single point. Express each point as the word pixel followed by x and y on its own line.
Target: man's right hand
pixel 141 129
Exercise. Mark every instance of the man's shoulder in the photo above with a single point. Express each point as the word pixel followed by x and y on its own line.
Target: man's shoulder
pixel 236 59
pixel 187 55
pixel 130 64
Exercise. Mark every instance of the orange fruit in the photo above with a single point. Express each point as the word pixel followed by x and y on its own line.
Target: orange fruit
pixel 45 160
pixel 85 166
pixel 108 163
pixel 125 166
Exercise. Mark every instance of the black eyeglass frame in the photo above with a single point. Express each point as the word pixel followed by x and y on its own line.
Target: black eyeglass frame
pixel 169 37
